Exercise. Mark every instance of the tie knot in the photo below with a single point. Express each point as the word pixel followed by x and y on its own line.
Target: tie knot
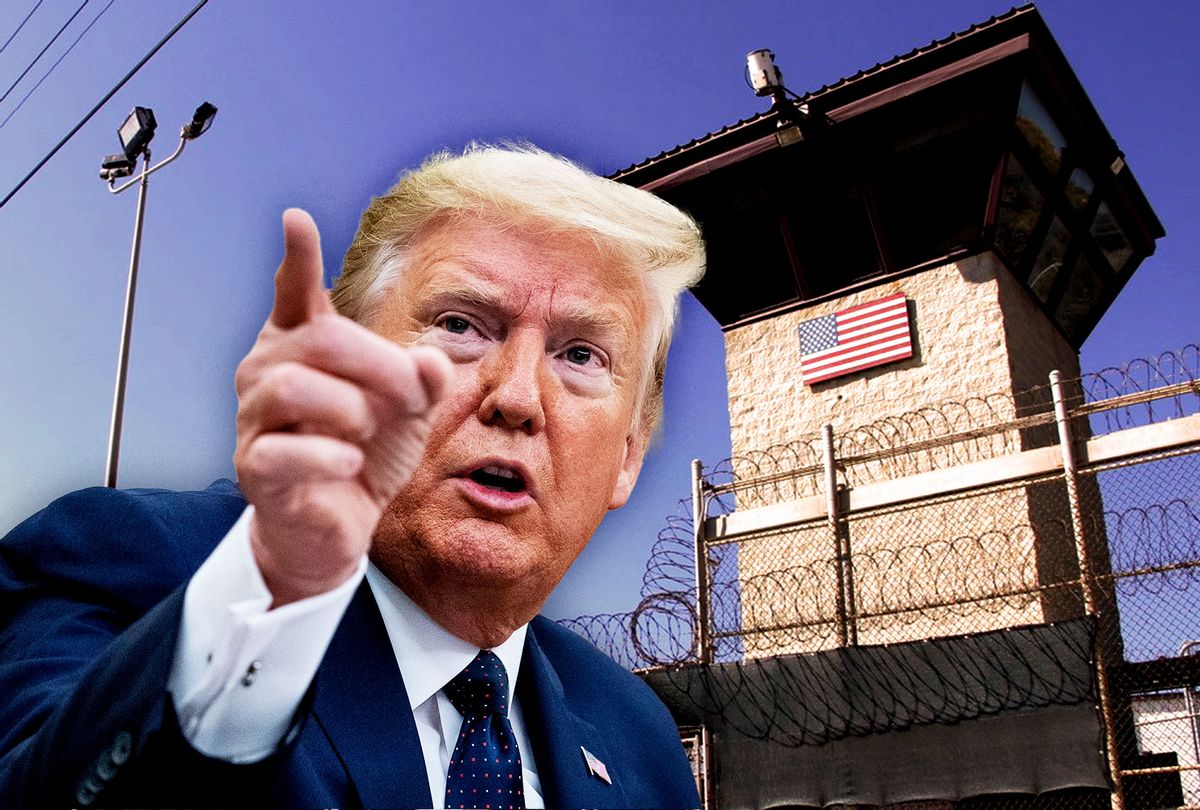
pixel 480 689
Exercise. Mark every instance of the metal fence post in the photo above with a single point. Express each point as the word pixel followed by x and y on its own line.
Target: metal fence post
pixel 703 630
pixel 1066 441
pixel 1189 701
pixel 841 556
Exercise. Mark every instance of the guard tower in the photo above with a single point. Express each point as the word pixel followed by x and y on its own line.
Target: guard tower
pixel 946 225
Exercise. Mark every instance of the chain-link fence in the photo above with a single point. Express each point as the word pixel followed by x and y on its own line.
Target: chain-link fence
pixel 1016 576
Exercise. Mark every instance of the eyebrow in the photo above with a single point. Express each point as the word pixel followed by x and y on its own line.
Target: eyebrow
pixel 582 315
pixel 480 294
pixel 588 316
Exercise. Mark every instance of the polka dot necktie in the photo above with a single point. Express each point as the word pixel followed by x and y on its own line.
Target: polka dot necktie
pixel 485 768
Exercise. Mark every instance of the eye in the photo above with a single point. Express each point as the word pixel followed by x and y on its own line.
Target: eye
pixel 455 324
pixel 579 355
pixel 461 336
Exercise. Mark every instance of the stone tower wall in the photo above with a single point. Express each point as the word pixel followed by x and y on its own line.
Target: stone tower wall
pixel 976 332
pixel 956 312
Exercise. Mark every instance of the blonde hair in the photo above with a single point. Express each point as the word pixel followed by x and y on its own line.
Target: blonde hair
pixel 523 186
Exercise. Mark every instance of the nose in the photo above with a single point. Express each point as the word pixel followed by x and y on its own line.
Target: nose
pixel 512 385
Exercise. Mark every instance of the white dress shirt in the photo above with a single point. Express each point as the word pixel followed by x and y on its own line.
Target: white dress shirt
pixel 241 669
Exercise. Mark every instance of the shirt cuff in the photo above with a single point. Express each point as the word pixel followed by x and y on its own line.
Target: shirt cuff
pixel 241 669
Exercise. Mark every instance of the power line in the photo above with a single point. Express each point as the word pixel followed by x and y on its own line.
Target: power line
pixel 13 35
pixel 42 52
pixel 63 56
pixel 116 88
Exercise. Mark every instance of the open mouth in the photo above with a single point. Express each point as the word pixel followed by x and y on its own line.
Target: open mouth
pixel 498 478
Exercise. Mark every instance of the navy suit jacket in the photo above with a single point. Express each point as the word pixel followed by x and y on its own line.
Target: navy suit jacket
pixel 91 592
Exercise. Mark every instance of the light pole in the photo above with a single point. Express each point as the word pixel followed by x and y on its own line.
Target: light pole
pixel 135 134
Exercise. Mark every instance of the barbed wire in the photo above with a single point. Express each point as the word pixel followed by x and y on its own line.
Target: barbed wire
pixel 933 437
pixel 768 625
pixel 672 564
pixel 964 575
pixel 1145 374
pixel 953 432
pixel 815 698
pixel 1157 538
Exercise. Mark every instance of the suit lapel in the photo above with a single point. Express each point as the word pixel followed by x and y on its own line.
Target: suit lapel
pixel 559 736
pixel 363 707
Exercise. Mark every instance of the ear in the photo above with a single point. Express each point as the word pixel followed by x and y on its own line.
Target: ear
pixel 635 453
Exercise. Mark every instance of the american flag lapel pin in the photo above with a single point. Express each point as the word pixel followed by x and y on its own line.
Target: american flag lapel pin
pixel 595 766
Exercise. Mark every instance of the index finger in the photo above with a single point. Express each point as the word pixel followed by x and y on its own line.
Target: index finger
pixel 299 291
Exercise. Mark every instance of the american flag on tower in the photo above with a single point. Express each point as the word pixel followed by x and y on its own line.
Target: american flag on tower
pixel 854 339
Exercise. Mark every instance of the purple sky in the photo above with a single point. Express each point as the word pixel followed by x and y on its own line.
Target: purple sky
pixel 322 106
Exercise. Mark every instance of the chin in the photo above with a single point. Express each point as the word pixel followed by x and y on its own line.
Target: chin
pixel 463 551
pixel 481 551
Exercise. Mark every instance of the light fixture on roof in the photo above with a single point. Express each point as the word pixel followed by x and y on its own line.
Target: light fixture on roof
pixel 766 79
pixel 765 76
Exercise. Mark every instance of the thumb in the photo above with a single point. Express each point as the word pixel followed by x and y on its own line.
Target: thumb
pixel 299 292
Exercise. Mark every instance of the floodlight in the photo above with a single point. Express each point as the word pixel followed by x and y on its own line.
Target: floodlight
pixel 201 120
pixel 765 77
pixel 114 166
pixel 137 131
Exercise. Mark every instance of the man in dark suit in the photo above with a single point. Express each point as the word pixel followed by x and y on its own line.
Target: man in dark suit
pixel 423 458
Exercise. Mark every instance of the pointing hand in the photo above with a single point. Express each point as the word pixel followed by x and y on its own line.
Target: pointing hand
pixel 332 420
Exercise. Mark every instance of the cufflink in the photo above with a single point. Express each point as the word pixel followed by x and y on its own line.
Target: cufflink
pixel 251 673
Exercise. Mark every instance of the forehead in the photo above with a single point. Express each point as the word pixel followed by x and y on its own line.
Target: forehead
pixel 563 276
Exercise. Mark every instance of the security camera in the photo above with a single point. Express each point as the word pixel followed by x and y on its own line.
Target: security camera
pixel 765 77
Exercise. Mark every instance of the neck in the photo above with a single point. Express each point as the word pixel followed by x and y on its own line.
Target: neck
pixel 480 615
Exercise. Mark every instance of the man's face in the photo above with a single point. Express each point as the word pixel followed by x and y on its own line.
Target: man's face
pixel 536 438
